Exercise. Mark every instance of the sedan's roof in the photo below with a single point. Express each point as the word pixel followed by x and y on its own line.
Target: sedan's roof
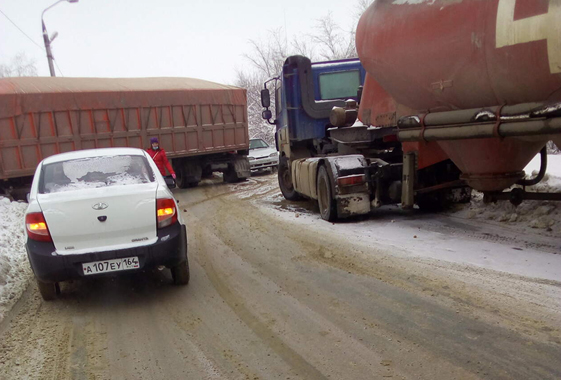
pixel 107 152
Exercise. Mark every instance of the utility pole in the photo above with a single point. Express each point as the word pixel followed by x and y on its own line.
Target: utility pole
pixel 48 39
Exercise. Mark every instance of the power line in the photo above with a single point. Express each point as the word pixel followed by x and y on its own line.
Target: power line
pixel 56 64
pixel 30 39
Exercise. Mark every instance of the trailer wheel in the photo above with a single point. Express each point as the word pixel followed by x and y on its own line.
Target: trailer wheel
pixel 230 175
pixel 48 290
pixel 327 205
pixel 285 181
pixel 180 178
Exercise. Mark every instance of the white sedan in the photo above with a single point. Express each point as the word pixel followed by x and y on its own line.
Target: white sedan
pixel 262 156
pixel 96 212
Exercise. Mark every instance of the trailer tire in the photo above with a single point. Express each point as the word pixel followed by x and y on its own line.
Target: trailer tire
pixel 230 175
pixel 48 290
pixel 285 181
pixel 326 202
pixel 180 177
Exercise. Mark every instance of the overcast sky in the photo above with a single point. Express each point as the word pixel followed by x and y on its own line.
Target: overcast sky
pixel 141 38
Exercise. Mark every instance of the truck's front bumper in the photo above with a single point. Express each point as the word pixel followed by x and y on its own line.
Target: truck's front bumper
pixel 170 249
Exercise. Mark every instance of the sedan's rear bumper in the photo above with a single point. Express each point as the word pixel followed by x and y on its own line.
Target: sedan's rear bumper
pixel 169 250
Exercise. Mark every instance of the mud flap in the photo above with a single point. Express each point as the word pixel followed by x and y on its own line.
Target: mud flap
pixel 242 168
pixel 352 204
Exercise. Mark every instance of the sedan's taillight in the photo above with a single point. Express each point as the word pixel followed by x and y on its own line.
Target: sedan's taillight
pixel 37 227
pixel 166 212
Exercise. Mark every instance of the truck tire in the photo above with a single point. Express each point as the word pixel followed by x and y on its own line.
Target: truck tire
pixel 285 181
pixel 326 202
pixel 180 273
pixel 48 290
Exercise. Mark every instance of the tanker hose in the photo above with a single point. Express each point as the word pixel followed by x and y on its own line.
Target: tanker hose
pixel 541 174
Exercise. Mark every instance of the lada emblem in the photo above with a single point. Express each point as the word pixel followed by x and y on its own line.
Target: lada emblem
pixel 100 206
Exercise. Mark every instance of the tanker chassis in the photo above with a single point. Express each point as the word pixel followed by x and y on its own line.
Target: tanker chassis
pixel 452 96
pixel 201 125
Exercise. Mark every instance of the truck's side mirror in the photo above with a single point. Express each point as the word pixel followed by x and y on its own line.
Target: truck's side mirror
pixel 267 114
pixel 265 98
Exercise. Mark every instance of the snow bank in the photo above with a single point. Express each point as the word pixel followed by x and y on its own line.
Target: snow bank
pixel 541 215
pixel 15 271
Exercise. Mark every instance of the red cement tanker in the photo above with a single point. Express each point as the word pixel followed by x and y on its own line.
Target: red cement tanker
pixel 475 81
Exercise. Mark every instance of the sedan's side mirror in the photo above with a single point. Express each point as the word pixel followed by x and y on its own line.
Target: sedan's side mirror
pixel 28 197
pixel 265 98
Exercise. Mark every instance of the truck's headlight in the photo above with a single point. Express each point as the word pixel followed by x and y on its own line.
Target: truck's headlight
pixel 273 154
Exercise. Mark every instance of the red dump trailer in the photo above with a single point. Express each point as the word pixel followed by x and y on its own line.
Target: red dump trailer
pixel 202 125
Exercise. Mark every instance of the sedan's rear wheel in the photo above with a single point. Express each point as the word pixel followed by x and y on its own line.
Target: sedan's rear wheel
pixel 180 273
pixel 48 290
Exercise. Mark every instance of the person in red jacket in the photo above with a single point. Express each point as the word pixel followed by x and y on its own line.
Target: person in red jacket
pixel 159 157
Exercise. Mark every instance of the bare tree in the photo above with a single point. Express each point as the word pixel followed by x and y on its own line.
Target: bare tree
pixel 19 66
pixel 333 41
pixel 258 128
pixel 328 42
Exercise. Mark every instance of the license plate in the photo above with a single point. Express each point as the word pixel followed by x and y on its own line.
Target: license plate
pixel 106 266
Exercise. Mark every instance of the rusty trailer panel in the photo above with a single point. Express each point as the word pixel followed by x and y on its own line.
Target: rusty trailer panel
pixel 40 117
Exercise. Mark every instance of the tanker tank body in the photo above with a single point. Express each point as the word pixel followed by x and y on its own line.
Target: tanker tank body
pixel 478 82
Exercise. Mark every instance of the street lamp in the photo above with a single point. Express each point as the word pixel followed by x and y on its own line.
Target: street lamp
pixel 48 40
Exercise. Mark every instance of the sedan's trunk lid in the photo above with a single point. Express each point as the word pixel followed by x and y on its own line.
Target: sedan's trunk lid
pixel 101 219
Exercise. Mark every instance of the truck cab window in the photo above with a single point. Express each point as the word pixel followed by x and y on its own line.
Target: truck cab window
pixel 339 85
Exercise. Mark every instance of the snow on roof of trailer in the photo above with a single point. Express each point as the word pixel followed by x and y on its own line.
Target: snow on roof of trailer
pixel 27 85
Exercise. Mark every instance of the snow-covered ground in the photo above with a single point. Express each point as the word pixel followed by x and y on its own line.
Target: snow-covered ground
pixel 477 234
pixel 537 216
pixel 15 271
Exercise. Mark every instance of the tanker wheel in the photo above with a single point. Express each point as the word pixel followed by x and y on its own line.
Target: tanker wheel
pixel 285 181
pixel 432 202
pixel 327 205
pixel 48 290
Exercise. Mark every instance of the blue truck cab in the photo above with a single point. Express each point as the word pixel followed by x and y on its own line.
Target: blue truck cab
pixel 305 93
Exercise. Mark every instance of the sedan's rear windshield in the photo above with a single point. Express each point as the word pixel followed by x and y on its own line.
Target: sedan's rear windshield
pixel 94 172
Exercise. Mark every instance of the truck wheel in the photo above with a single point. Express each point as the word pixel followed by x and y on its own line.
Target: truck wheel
pixel 48 290
pixel 327 205
pixel 285 181
pixel 180 273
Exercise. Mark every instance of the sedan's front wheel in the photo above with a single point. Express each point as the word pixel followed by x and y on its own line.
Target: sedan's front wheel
pixel 180 273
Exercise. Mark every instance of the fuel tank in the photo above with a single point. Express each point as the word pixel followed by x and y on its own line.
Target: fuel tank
pixel 441 55
pixel 429 56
